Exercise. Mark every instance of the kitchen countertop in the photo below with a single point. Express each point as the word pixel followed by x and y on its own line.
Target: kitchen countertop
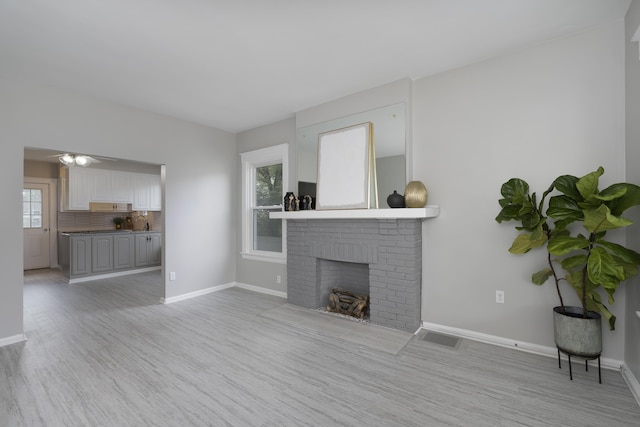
pixel 76 233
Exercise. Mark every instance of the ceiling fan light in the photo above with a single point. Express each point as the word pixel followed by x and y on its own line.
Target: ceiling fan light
pixel 66 159
pixel 82 161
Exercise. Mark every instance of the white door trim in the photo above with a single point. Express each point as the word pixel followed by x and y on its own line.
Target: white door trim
pixel 53 215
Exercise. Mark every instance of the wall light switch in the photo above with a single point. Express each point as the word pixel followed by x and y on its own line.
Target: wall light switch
pixel 500 297
pixel 172 275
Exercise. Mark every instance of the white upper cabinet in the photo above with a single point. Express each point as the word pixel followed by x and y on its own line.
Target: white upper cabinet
pixel 155 193
pixel 147 192
pixel 111 186
pixel 78 188
pixel 86 185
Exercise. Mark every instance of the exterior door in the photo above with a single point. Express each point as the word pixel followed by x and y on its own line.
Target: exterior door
pixel 35 225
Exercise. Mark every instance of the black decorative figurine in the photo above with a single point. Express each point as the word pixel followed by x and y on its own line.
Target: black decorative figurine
pixel 306 203
pixel 290 202
pixel 395 200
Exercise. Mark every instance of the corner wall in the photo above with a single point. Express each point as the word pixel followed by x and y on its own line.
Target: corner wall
pixel 261 273
pixel 632 125
pixel 553 109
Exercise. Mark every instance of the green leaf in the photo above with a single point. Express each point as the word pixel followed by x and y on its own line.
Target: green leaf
pixel 596 220
pixel 630 198
pixel 517 203
pixel 562 224
pixel 531 221
pixel 527 241
pixel 562 245
pixel 573 262
pixel 541 276
pixel 611 193
pixel 508 213
pixel 566 184
pixel 564 208
pixel 588 184
pixel 603 270
pixel 625 254
pixel 594 304
pixel 515 190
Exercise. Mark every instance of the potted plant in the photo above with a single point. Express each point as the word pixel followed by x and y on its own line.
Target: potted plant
pixel 118 222
pixel 573 229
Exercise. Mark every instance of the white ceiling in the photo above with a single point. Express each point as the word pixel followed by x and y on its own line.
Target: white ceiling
pixel 238 64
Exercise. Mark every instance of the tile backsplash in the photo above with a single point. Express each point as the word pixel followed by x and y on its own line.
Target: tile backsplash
pixel 85 221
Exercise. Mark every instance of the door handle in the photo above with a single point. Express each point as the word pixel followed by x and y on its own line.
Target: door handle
pixel 46 229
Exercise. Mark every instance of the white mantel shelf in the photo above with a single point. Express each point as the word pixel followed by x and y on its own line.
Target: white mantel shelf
pixel 416 213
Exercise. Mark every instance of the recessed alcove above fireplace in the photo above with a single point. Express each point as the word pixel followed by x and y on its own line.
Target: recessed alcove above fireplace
pixel 350 245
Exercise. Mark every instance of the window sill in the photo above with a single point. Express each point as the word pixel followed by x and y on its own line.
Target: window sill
pixel 276 259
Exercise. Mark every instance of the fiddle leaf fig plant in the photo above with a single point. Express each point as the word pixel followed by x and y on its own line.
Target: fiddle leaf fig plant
pixel 573 228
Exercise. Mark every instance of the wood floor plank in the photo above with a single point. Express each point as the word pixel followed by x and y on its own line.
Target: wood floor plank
pixel 106 353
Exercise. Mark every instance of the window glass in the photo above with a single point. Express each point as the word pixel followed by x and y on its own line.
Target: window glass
pixel 269 185
pixel 267 232
pixel 264 182
pixel 31 208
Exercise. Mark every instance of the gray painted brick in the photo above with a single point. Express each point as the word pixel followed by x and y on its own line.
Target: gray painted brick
pixel 391 248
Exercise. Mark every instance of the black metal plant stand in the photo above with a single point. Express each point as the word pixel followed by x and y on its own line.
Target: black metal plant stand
pixel 586 363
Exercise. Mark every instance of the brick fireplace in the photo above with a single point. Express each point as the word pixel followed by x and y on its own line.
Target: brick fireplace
pixel 381 257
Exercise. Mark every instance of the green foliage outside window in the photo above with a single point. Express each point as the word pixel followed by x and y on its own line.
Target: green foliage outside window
pixel 268 232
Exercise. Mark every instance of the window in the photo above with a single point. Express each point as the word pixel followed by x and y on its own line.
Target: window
pixel 31 208
pixel 264 179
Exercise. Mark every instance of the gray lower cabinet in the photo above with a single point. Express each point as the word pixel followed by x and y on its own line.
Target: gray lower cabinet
pixel 101 253
pixel 123 255
pixel 83 255
pixel 148 249
pixel 80 257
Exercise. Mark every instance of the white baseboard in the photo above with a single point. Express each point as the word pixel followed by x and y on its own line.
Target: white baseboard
pixel 115 274
pixel 13 339
pixel 262 290
pixel 505 342
pixel 631 381
pixel 196 293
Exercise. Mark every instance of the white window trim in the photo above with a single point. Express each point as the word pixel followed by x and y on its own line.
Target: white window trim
pixel 250 161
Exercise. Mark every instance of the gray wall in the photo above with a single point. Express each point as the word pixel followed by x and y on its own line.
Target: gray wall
pixel 200 182
pixel 251 272
pixel 553 109
pixel 632 323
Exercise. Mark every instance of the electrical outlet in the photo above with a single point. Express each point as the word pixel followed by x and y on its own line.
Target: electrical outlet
pixel 500 297
pixel 172 275
pixel 278 279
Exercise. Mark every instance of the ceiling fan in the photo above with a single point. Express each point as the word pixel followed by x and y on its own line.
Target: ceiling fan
pixel 83 160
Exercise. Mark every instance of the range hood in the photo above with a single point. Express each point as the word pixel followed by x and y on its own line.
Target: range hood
pixel 110 207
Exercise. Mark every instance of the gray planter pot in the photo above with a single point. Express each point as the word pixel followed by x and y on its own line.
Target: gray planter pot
pixel 576 334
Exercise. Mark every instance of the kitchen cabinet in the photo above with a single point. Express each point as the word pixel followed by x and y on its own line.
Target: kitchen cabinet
pixel 76 188
pixel 101 253
pixel 147 192
pixel 82 186
pixel 80 259
pixel 111 186
pixel 148 249
pixel 94 253
pixel 123 251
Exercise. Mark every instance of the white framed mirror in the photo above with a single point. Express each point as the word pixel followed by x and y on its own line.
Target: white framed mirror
pixel 344 167
pixel 390 149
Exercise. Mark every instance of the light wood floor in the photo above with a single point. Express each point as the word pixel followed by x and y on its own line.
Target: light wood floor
pixel 105 353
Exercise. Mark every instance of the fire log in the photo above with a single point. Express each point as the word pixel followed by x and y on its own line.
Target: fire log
pixel 349 303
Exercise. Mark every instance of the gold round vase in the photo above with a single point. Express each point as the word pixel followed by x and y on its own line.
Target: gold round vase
pixel 415 195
